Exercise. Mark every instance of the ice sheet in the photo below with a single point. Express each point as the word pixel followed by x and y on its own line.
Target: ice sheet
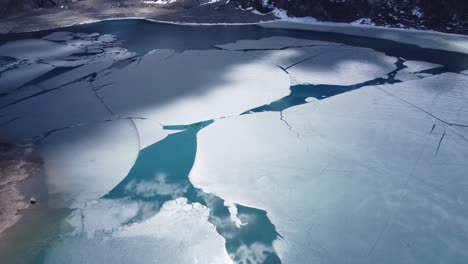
pixel 343 66
pixel 34 49
pixel 445 96
pixel 338 178
pixel 413 67
pixel 179 233
pixel 83 163
pixel 426 39
pixel 329 64
pixel 149 132
pixel 212 84
pixel 15 78
pixel 72 105
pixel 274 43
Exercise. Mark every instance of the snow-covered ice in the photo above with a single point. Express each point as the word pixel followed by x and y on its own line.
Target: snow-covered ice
pixel 85 162
pixel 321 63
pixel 149 132
pixel 179 233
pixel 425 39
pixel 274 43
pixel 411 72
pixel 345 180
pixel 15 78
pixel 34 49
pixel 444 96
pixel 72 105
pixel 339 66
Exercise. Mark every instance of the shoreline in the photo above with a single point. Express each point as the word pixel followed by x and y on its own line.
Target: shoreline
pixel 24 227
pixel 17 165
pixel 232 17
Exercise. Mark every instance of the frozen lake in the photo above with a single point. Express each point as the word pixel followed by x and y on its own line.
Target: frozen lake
pixel 239 144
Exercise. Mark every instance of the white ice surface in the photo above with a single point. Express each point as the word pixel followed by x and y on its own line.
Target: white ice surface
pixel 34 49
pixel 179 233
pixel 149 132
pixel 339 66
pixel 71 105
pixel 425 39
pixel 357 178
pixel 15 78
pixel 327 63
pixel 274 43
pixel 445 96
pixel 416 66
pixel 413 67
pixel 86 162
pixel 212 84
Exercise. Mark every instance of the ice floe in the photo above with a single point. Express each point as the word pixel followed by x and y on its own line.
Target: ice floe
pixel 34 49
pixel 413 69
pixel 149 131
pixel 72 105
pixel 274 43
pixel 84 163
pixel 425 39
pixel 318 62
pixel 59 36
pixel 444 96
pixel 212 84
pixel 15 78
pixel 179 233
pixel 345 179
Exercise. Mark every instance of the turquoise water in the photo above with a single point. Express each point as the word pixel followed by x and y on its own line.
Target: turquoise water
pixel 174 157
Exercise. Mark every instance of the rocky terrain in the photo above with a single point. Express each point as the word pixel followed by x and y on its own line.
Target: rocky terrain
pixel 16 164
pixel 440 15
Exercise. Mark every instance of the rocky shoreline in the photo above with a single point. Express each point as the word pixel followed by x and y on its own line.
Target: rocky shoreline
pixel 439 15
pixel 17 163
